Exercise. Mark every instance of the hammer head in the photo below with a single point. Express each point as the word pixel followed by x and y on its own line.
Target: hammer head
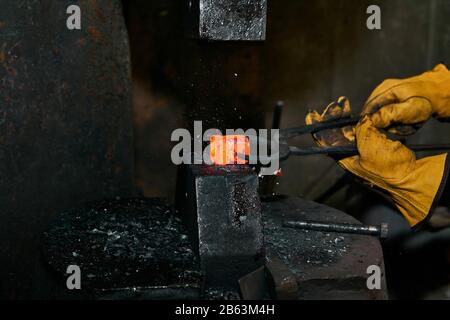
pixel 228 20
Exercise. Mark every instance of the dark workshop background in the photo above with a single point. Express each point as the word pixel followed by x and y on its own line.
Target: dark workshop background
pixel 79 122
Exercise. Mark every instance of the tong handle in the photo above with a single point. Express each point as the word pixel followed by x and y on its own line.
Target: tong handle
pixel 314 128
pixel 353 150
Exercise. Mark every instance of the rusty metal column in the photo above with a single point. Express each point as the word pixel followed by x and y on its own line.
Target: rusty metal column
pixel 65 121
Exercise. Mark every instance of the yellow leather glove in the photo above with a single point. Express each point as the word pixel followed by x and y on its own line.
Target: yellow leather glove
pixel 336 110
pixel 410 101
pixel 414 185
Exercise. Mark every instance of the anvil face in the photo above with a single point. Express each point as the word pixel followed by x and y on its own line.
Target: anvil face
pixel 221 209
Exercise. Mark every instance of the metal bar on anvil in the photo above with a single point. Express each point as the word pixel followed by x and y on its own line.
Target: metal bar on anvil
pixel 379 231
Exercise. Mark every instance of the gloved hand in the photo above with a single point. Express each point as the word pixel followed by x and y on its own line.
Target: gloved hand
pixel 410 101
pixel 414 185
pixel 336 110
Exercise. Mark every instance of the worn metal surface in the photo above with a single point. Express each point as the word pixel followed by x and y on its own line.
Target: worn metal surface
pixel 228 20
pixel 326 265
pixel 125 248
pixel 65 121
pixel 187 292
pixel 253 286
pixel 282 281
pixel 221 207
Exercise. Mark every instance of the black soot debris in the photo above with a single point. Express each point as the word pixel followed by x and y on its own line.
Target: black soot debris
pixel 122 243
